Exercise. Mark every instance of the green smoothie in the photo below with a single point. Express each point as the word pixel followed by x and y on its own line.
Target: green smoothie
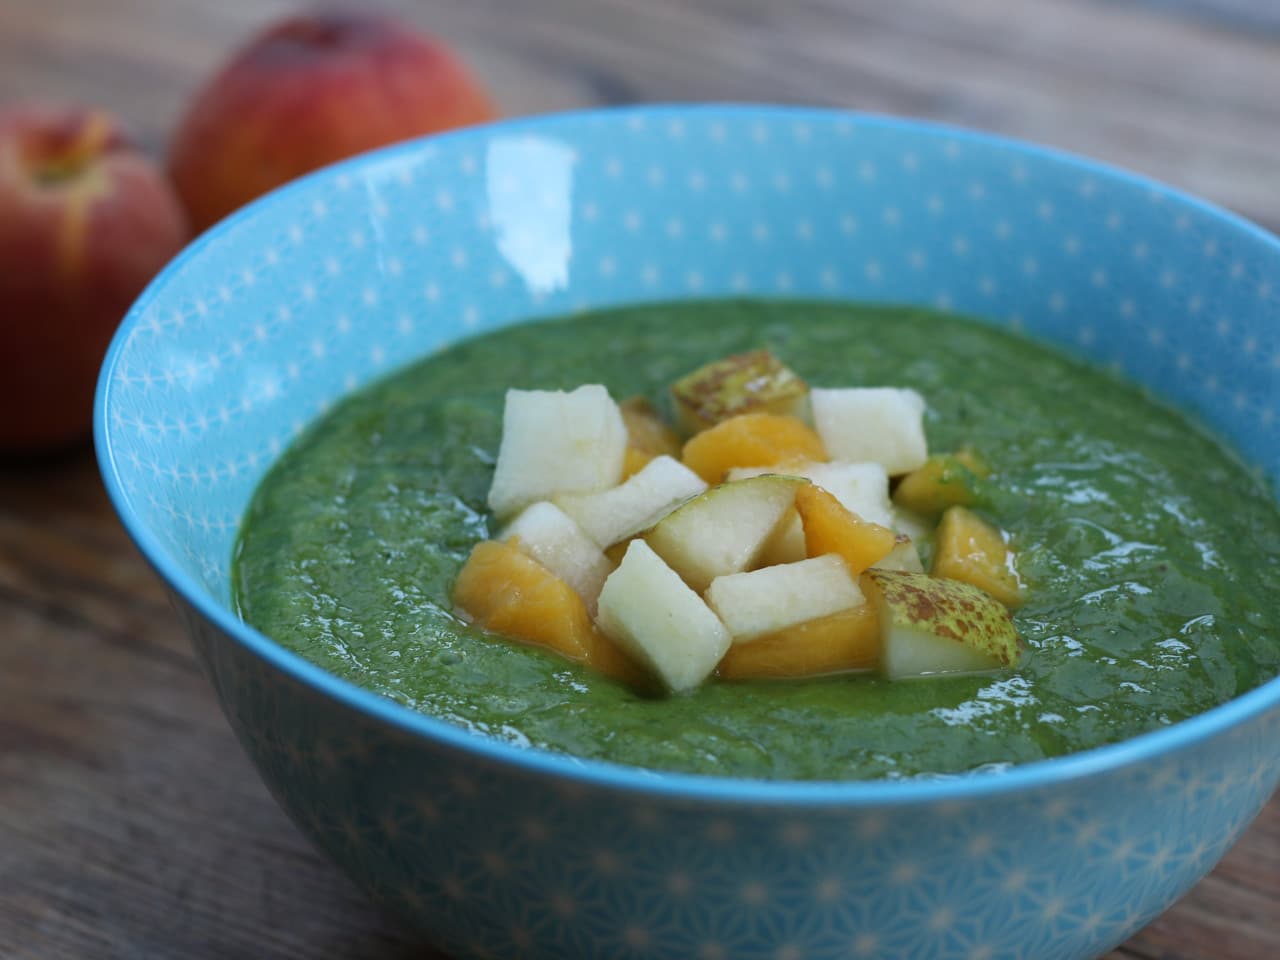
pixel 1146 547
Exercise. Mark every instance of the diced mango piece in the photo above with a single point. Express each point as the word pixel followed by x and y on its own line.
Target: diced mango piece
pixel 969 549
pixel 755 382
pixel 505 591
pixel 837 643
pixel 510 593
pixel 647 432
pixel 831 528
pixel 750 440
pixel 945 480
pixel 633 461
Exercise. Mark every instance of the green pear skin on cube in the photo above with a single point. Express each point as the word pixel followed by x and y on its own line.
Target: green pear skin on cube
pixel 556 441
pixel 931 626
pixel 883 425
pixel 723 530
pixel 773 598
pixel 755 382
pixel 651 613
pixel 637 504
pixel 547 534
pixel 861 488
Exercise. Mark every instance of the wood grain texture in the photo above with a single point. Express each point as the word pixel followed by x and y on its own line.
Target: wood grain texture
pixel 131 825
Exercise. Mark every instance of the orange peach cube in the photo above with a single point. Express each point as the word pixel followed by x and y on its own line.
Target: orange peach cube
pixel 750 440
pixel 839 643
pixel 506 592
pixel 969 549
pixel 829 527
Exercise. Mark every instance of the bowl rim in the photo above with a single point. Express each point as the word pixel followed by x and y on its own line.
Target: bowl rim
pixel 704 788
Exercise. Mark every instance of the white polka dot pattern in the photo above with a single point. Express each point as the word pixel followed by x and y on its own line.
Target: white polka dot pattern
pixel 362 270
pixel 272 317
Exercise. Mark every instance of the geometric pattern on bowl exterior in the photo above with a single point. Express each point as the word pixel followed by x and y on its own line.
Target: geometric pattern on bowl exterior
pixel 493 851
pixel 492 861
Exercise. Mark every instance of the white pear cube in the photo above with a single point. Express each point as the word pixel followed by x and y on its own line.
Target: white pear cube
pixel 904 557
pixel 764 601
pixel 554 442
pixel 547 534
pixel 647 610
pixel 931 626
pixel 723 530
pixel 623 511
pixel 787 543
pixel 883 425
pixel 909 523
pixel 862 488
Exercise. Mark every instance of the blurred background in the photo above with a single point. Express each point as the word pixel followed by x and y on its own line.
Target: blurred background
pixel 1184 90
pixel 131 826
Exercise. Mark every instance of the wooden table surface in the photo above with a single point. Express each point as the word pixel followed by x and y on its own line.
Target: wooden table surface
pixel 131 825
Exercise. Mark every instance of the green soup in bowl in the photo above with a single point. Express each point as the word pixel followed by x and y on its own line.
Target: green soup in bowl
pixel 1137 533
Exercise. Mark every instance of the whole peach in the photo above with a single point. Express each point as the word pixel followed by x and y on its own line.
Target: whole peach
pixel 86 220
pixel 307 91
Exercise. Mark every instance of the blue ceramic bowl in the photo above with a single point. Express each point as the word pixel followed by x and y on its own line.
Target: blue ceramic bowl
pixel 494 851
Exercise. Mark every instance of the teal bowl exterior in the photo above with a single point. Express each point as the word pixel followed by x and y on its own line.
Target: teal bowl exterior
pixel 496 851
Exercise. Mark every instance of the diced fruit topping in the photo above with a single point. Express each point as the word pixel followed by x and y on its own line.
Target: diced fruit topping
pixel 968 548
pixel 933 626
pixel 943 481
pixel 904 556
pixel 642 500
pixel 616 552
pixel 647 432
pixel 792 565
pixel 750 440
pixel 547 534
pixel 652 614
pixel 755 382
pixel 765 601
pixel 504 591
pixel 633 461
pixel 883 425
pixel 830 528
pixel 723 530
pixel 786 545
pixel 910 524
pixel 556 442
pixel 842 642
pixel 862 488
